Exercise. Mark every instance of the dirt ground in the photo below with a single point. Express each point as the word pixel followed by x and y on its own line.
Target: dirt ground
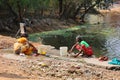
pixel 14 67
pixel 9 70
pixel 45 68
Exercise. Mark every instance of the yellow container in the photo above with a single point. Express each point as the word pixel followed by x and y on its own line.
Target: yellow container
pixel 42 51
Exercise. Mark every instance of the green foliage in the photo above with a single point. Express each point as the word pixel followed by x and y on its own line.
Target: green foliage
pixel 69 8
pixel 44 4
pixel 1 3
pixel 36 4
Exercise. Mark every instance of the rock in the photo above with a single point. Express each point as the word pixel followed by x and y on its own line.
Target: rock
pixel 71 71
pixel 77 79
pixel 43 64
pixel 69 79
pixel 3 62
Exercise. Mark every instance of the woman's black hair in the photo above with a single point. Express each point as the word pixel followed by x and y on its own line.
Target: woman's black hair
pixel 24 35
pixel 79 38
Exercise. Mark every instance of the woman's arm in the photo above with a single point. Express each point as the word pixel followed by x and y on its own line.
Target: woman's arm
pixel 34 48
pixel 73 47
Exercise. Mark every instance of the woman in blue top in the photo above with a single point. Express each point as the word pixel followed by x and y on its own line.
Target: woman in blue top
pixel 82 47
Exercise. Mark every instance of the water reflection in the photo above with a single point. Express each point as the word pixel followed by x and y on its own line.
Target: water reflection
pixel 113 44
pixel 113 47
pixel 111 29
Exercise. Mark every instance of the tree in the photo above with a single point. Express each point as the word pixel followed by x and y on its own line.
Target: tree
pixel 73 8
pixel 60 6
pixel 66 8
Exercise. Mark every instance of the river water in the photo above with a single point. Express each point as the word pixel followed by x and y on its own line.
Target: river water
pixel 102 32
pixel 111 29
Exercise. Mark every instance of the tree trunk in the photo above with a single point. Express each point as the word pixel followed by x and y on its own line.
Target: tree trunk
pixel 77 11
pixel 60 6
pixel 65 13
pixel 20 18
pixel 42 12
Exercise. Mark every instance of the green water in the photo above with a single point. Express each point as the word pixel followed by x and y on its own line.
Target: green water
pixel 90 33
